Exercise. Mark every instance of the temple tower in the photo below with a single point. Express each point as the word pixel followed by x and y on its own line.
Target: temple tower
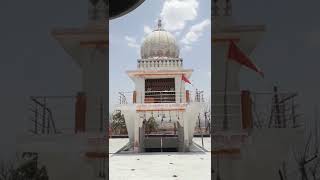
pixel 226 86
pixel 159 89
pixel 227 95
pixel 88 48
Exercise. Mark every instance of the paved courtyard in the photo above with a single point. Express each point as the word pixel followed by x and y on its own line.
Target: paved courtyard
pixel 159 166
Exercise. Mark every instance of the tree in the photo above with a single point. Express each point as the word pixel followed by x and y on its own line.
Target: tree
pixel 306 158
pixel 26 171
pixel 118 123
pixel 151 125
pixel 6 171
pixel 315 169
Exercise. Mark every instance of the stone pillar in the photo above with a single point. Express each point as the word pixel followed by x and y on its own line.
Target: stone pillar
pixel 233 102
pixel 246 107
pixel 180 90
pixel 80 114
pixel 139 89
pixel 94 82
pixel 136 139
pixel 130 115
pixel 186 134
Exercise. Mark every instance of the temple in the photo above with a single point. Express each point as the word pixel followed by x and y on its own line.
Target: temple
pixel 160 94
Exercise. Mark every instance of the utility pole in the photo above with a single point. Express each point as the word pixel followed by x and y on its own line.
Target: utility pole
pixel 277 107
pixel 316 113
pixel 199 122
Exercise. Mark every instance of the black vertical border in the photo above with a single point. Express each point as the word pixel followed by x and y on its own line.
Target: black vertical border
pixel 108 86
pixel 211 114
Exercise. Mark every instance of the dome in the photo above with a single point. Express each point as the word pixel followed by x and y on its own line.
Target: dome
pixel 159 43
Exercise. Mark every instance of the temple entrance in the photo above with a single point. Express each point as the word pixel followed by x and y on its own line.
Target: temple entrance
pixel 161 149
pixel 159 137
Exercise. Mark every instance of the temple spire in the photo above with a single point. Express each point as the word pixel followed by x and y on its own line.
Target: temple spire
pixel 228 8
pixel 219 5
pixel 215 8
pixel 159 24
pixel 98 10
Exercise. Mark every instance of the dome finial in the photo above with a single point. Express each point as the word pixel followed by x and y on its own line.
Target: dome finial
pixel 159 24
pixel 219 5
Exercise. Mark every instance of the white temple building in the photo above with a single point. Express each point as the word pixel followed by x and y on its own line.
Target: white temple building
pixel 240 150
pixel 160 90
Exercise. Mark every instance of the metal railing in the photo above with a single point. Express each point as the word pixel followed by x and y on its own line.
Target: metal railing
pixel 123 98
pixel 277 110
pixel 46 110
pixel 268 109
pixel 161 97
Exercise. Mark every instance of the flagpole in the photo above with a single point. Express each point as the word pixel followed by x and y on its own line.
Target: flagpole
pixel 225 98
pixel 181 89
pixel 183 78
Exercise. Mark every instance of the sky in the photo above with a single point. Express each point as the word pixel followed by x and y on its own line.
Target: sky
pixel 33 63
pixel 189 21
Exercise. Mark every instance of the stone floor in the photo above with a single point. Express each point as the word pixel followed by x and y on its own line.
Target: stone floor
pixel 159 166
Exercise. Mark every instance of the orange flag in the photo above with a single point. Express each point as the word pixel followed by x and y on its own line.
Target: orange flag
pixel 237 55
pixel 185 79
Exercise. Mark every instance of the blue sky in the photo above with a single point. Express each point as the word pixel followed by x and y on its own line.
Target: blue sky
pixel 188 20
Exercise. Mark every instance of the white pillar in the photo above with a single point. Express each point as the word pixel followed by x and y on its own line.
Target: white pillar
pixel 233 89
pixel 186 132
pixel 94 83
pixel 180 89
pixel 140 88
pixel 137 126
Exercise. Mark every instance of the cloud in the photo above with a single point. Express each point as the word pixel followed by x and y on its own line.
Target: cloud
pixel 147 29
pixel 131 42
pixel 186 48
pixel 175 13
pixel 177 33
pixel 195 32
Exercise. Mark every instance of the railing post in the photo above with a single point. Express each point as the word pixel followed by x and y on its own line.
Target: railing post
pixel 246 108
pixel 134 97
pixel 80 121
pixel 293 114
pixel 36 119
pixel 48 124
pixel 44 115
pixel 101 114
pixel 187 96
pixel 277 107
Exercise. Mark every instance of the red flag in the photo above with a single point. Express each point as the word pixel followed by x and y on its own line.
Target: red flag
pixel 237 55
pixel 185 79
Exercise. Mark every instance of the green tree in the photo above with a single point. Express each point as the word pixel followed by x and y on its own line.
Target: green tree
pixel 151 125
pixel 26 171
pixel 118 123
